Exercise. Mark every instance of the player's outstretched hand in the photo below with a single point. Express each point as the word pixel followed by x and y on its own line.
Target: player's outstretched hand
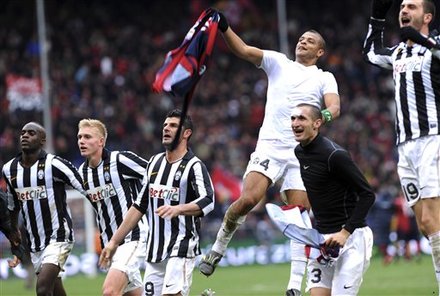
pixel 379 8
pixel 18 250
pixel 13 262
pixel 168 212
pixel 105 259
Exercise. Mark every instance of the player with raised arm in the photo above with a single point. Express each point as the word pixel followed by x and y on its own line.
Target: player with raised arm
pixel 290 83
pixel 416 71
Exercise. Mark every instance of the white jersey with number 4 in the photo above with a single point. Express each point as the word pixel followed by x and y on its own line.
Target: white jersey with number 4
pixel 290 84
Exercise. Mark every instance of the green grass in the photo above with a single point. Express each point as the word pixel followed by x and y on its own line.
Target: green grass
pixel 399 278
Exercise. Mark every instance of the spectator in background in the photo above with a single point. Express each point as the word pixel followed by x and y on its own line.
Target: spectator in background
pixel 380 217
pixel 406 229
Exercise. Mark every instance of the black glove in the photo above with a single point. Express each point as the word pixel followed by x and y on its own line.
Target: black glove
pixel 223 22
pixel 18 251
pixel 379 8
pixel 409 33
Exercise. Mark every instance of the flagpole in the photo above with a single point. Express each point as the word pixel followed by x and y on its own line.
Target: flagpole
pixel 282 27
pixel 44 73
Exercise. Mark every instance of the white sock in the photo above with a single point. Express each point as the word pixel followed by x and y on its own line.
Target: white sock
pixel 297 266
pixel 225 233
pixel 434 240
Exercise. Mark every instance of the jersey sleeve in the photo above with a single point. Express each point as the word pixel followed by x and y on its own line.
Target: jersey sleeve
pixel 131 165
pixel 271 61
pixel 12 200
pixel 436 52
pixel 143 198
pixel 330 84
pixel 341 164
pixel 374 52
pixel 201 183
pixel 65 171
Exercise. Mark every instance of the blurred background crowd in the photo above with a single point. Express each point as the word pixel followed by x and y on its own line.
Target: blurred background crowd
pixel 103 57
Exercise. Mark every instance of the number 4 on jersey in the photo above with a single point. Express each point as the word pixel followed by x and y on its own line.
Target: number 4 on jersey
pixel 265 164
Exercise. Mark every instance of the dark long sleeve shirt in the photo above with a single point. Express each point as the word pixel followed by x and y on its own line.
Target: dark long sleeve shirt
pixel 339 194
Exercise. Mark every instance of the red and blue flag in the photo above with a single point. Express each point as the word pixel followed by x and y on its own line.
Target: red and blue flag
pixel 184 66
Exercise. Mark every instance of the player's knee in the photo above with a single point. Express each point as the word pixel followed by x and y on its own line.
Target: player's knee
pixel 428 224
pixel 109 290
pixel 43 290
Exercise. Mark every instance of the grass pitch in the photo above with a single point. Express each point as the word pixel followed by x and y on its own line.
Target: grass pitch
pixel 414 277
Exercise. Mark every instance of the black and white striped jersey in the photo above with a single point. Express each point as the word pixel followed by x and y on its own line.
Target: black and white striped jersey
pixel 180 182
pixel 416 73
pixel 40 191
pixel 112 188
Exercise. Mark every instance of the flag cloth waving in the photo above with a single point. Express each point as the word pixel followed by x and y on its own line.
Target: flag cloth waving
pixel 184 66
pixel 294 222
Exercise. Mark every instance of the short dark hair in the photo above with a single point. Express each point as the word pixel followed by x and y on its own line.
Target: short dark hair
pixel 321 39
pixel 315 112
pixel 187 122
pixel 429 7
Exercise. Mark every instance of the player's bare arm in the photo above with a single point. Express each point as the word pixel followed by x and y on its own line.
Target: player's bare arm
pixel 332 103
pixel 338 239
pixel 168 212
pixel 238 46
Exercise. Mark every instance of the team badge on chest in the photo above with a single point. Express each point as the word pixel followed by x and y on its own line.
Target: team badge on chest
pixel 107 176
pixel 178 176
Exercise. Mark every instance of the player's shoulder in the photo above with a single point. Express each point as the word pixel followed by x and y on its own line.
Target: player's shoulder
pixel 81 166
pixel 8 163
pixel 276 55
pixel 55 159
pixel 124 152
pixel 325 73
pixel 156 157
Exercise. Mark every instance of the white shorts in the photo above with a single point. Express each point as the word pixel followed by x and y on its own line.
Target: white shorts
pixel 277 161
pixel 344 276
pixel 126 259
pixel 419 168
pixel 55 253
pixel 170 276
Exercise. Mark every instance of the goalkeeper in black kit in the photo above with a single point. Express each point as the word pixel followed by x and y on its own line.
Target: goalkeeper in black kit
pixel 13 235
pixel 340 198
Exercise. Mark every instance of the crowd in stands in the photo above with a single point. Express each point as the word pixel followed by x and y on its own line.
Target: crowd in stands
pixel 103 57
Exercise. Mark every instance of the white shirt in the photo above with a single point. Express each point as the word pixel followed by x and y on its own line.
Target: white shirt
pixel 290 84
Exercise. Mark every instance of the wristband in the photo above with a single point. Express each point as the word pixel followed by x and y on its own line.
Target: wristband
pixel 327 115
